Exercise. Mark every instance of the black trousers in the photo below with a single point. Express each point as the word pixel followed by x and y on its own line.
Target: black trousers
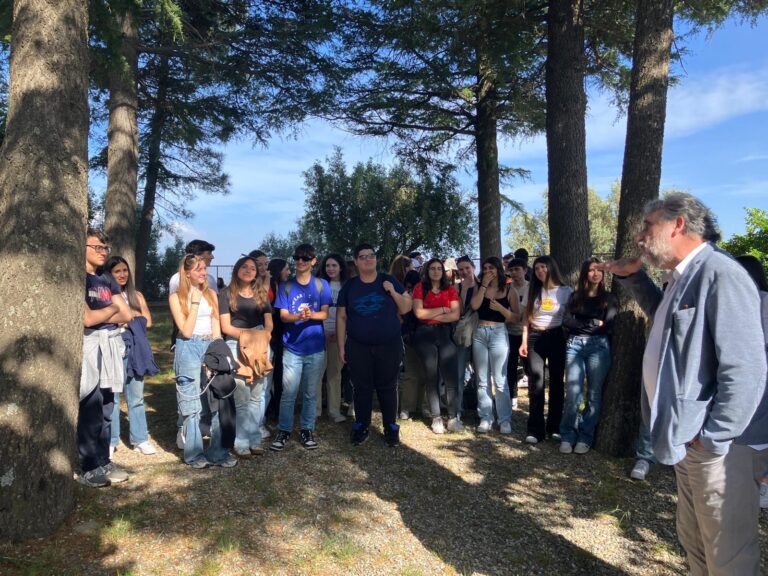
pixel 515 340
pixel 545 347
pixel 94 428
pixel 439 353
pixel 374 367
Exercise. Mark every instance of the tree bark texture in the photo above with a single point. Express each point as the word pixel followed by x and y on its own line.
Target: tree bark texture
pixel 566 137
pixel 155 139
pixel 488 197
pixel 123 146
pixel 641 175
pixel 43 212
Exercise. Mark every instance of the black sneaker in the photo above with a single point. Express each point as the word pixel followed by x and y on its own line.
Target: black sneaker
pixel 359 434
pixel 308 440
pixel 280 441
pixel 392 435
pixel 96 478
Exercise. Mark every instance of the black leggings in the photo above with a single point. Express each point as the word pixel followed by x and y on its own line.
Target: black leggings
pixel 374 366
pixel 549 347
pixel 434 345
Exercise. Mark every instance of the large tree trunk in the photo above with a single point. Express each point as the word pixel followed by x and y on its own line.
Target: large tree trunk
pixel 488 198
pixel 123 138
pixel 43 207
pixel 640 179
pixel 155 139
pixel 566 137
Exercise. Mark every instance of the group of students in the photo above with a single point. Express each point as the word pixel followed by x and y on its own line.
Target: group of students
pixel 397 335
pixel 412 335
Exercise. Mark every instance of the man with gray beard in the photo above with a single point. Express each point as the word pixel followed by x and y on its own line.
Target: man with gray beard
pixel 704 381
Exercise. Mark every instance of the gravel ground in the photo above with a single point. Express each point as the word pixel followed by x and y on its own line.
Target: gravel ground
pixel 453 504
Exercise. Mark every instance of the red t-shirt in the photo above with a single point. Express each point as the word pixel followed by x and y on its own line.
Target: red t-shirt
pixel 442 299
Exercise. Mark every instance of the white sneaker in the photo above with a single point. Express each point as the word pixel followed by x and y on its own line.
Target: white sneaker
pixel 531 440
pixel 763 495
pixel 265 433
pixel 581 448
pixel 404 415
pixel 145 448
pixel 641 469
pixel 514 403
pixel 455 425
pixel 506 428
pixel 339 418
pixel 565 447
pixel 485 426
pixel 180 439
pixel 437 426
pixel 523 382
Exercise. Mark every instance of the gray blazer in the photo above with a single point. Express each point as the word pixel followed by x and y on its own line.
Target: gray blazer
pixel 712 376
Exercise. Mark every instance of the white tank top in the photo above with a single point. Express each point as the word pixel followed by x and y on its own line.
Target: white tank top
pixel 203 323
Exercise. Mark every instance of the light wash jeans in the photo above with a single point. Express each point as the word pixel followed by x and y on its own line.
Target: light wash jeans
pixel 248 408
pixel 187 363
pixel 643 447
pixel 590 356
pixel 137 416
pixel 490 349
pixel 300 373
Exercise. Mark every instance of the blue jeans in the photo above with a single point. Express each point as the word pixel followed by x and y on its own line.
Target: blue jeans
pixel 490 349
pixel 137 416
pixel 643 448
pixel 249 399
pixel 187 363
pixel 590 355
pixel 300 373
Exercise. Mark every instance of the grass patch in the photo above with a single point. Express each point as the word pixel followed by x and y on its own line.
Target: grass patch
pixel 340 547
pixel 119 529
pixel 209 567
pixel 227 540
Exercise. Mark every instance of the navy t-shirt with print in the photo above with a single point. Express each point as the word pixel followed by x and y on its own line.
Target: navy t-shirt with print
pixel 371 313
pixel 98 295
pixel 306 336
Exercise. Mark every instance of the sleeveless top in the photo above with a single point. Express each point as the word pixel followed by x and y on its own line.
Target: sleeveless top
pixel 486 314
pixel 203 323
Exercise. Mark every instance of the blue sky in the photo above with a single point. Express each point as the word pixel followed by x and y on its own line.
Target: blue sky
pixel 716 147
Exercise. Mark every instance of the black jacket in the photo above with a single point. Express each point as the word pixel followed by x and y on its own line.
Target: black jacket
pixel 219 372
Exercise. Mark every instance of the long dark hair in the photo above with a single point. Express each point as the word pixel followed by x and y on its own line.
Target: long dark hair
pixel 501 279
pixel 536 285
pixel 275 267
pixel 582 288
pixel 130 289
pixel 259 287
pixel 399 267
pixel 755 270
pixel 426 283
pixel 321 273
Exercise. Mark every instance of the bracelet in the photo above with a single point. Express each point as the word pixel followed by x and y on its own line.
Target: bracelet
pixel 483 287
pixel 195 303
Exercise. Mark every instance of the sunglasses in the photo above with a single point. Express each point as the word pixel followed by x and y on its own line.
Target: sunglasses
pixel 296 258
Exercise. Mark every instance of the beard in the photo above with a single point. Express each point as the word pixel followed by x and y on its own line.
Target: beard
pixel 657 251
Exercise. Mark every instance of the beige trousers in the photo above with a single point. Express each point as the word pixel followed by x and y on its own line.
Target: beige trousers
pixel 332 382
pixel 718 511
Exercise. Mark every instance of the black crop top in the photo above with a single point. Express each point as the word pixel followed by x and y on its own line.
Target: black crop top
pixel 486 314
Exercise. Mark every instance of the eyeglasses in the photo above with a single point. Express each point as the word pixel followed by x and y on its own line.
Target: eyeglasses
pixel 366 256
pixel 296 258
pixel 98 248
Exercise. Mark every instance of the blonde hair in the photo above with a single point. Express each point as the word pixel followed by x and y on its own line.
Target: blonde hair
pixel 259 286
pixel 187 264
